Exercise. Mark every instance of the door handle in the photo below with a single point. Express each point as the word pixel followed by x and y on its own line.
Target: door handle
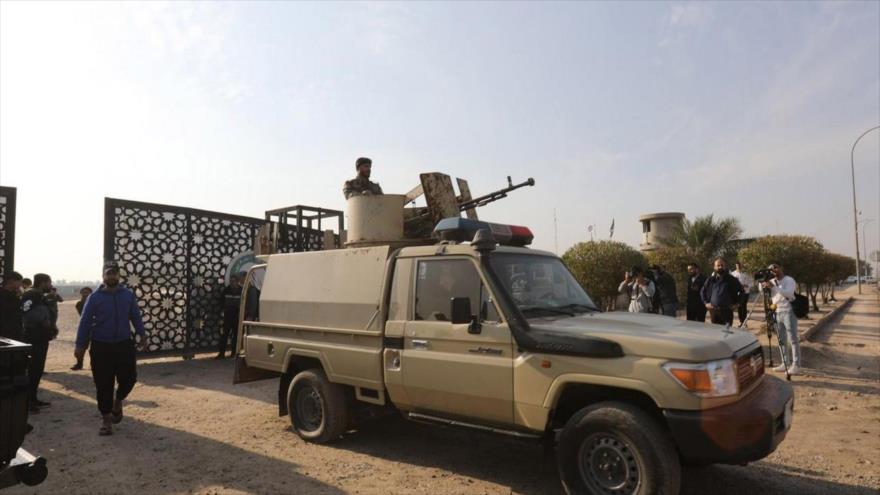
pixel 419 344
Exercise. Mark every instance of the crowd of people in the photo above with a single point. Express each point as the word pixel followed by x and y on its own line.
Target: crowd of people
pixel 717 295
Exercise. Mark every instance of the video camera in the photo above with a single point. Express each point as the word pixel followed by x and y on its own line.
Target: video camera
pixel 763 275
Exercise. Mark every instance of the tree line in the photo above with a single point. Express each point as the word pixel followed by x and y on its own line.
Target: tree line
pixel 599 265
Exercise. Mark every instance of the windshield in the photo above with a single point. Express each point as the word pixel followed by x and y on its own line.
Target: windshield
pixel 540 285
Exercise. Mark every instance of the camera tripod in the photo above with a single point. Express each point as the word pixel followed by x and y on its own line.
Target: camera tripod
pixel 772 327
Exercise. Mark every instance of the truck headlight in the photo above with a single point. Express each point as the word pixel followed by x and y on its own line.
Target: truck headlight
pixel 712 379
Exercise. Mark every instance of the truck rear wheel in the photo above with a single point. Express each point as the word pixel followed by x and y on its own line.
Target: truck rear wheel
pixel 612 448
pixel 318 408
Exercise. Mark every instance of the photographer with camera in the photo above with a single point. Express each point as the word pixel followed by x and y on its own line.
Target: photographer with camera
pixel 639 289
pixel 781 289
pixel 721 293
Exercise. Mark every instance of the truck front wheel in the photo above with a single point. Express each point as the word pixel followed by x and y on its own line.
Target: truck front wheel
pixel 613 448
pixel 318 408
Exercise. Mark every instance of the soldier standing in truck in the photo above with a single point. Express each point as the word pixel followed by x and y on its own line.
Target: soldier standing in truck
pixel 362 183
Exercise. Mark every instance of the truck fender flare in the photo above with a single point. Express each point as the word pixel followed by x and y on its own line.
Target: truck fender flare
pixel 561 381
pixel 293 353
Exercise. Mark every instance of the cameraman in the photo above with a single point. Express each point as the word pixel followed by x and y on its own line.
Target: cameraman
pixel 782 289
pixel 721 293
pixel 639 289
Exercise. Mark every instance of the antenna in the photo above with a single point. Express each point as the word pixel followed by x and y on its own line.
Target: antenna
pixel 555 234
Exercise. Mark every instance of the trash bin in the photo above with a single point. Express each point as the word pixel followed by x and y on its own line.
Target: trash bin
pixel 16 464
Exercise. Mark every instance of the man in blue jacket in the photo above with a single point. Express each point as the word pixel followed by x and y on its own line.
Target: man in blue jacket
pixel 105 327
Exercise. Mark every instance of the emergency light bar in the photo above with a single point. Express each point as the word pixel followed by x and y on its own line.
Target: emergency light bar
pixel 460 229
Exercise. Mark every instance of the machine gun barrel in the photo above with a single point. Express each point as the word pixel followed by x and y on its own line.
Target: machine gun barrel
pixel 495 196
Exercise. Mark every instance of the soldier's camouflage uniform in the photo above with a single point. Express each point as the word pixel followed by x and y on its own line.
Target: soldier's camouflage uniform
pixel 360 185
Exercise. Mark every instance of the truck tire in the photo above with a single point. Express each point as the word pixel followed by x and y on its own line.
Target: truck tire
pixel 613 448
pixel 318 408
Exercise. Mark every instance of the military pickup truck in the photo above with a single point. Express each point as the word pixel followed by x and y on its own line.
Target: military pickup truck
pixel 479 331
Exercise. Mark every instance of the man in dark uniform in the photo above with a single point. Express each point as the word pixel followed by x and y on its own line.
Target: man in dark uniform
pixel 84 294
pixel 361 184
pixel 38 330
pixel 696 310
pixel 721 293
pixel 10 306
pixel 668 299
pixel 52 300
pixel 231 305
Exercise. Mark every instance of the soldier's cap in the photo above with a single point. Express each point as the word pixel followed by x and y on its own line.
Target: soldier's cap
pixel 362 161
pixel 110 266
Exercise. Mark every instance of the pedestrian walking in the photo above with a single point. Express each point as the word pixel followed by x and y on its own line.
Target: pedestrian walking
pixel 38 331
pixel 84 294
pixel 746 281
pixel 639 289
pixel 696 309
pixel 782 289
pixel 105 329
pixel 721 293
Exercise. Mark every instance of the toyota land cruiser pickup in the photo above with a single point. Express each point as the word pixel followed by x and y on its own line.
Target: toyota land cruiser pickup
pixel 492 335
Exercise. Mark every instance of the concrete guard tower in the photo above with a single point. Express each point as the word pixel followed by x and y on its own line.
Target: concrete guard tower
pixel 656 226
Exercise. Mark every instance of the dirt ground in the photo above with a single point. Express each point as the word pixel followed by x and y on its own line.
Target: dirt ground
pixel 189 430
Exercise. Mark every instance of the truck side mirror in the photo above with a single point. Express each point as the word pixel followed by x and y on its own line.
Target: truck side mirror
pixel 460 310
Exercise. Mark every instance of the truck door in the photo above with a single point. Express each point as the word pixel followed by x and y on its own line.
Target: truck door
pixel 249 313
pixel 444 367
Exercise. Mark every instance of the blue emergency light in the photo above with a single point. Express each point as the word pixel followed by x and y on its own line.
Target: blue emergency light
pixel 460 229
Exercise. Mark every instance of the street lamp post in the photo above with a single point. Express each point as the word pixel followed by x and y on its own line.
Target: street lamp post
pixel 852 163
pixel 864 222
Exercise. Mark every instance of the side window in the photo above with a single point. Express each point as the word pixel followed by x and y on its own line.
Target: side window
pixel 438 281
pixel 488 312
pixel 399 290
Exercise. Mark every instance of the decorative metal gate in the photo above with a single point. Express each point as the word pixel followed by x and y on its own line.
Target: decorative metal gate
pixel 7 229
pixel 175 259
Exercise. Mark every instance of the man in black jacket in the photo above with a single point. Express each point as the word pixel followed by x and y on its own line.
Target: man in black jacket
pixel 10 306
pixel 38 330
pixel 668 300
pixel 721 293
pixel 696 309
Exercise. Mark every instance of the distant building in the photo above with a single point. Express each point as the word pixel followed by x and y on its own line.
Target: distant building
pixel 656 226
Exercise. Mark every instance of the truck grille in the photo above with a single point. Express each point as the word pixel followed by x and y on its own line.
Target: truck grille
pixel 749 368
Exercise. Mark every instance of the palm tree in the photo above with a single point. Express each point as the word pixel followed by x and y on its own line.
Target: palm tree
pixel 705 238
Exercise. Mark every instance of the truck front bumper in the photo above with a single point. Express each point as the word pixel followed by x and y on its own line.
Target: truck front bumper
pixel 737 433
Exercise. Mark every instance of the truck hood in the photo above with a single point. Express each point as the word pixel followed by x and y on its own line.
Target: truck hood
pixel 650 335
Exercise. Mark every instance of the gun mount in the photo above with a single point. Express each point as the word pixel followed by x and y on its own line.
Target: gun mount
pixel 442 202
pixel 376 219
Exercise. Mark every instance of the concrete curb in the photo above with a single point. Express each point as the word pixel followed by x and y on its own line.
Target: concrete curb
pixel 823 321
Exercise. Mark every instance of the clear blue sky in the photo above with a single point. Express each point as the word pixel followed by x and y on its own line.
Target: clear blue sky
pixel 740 109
